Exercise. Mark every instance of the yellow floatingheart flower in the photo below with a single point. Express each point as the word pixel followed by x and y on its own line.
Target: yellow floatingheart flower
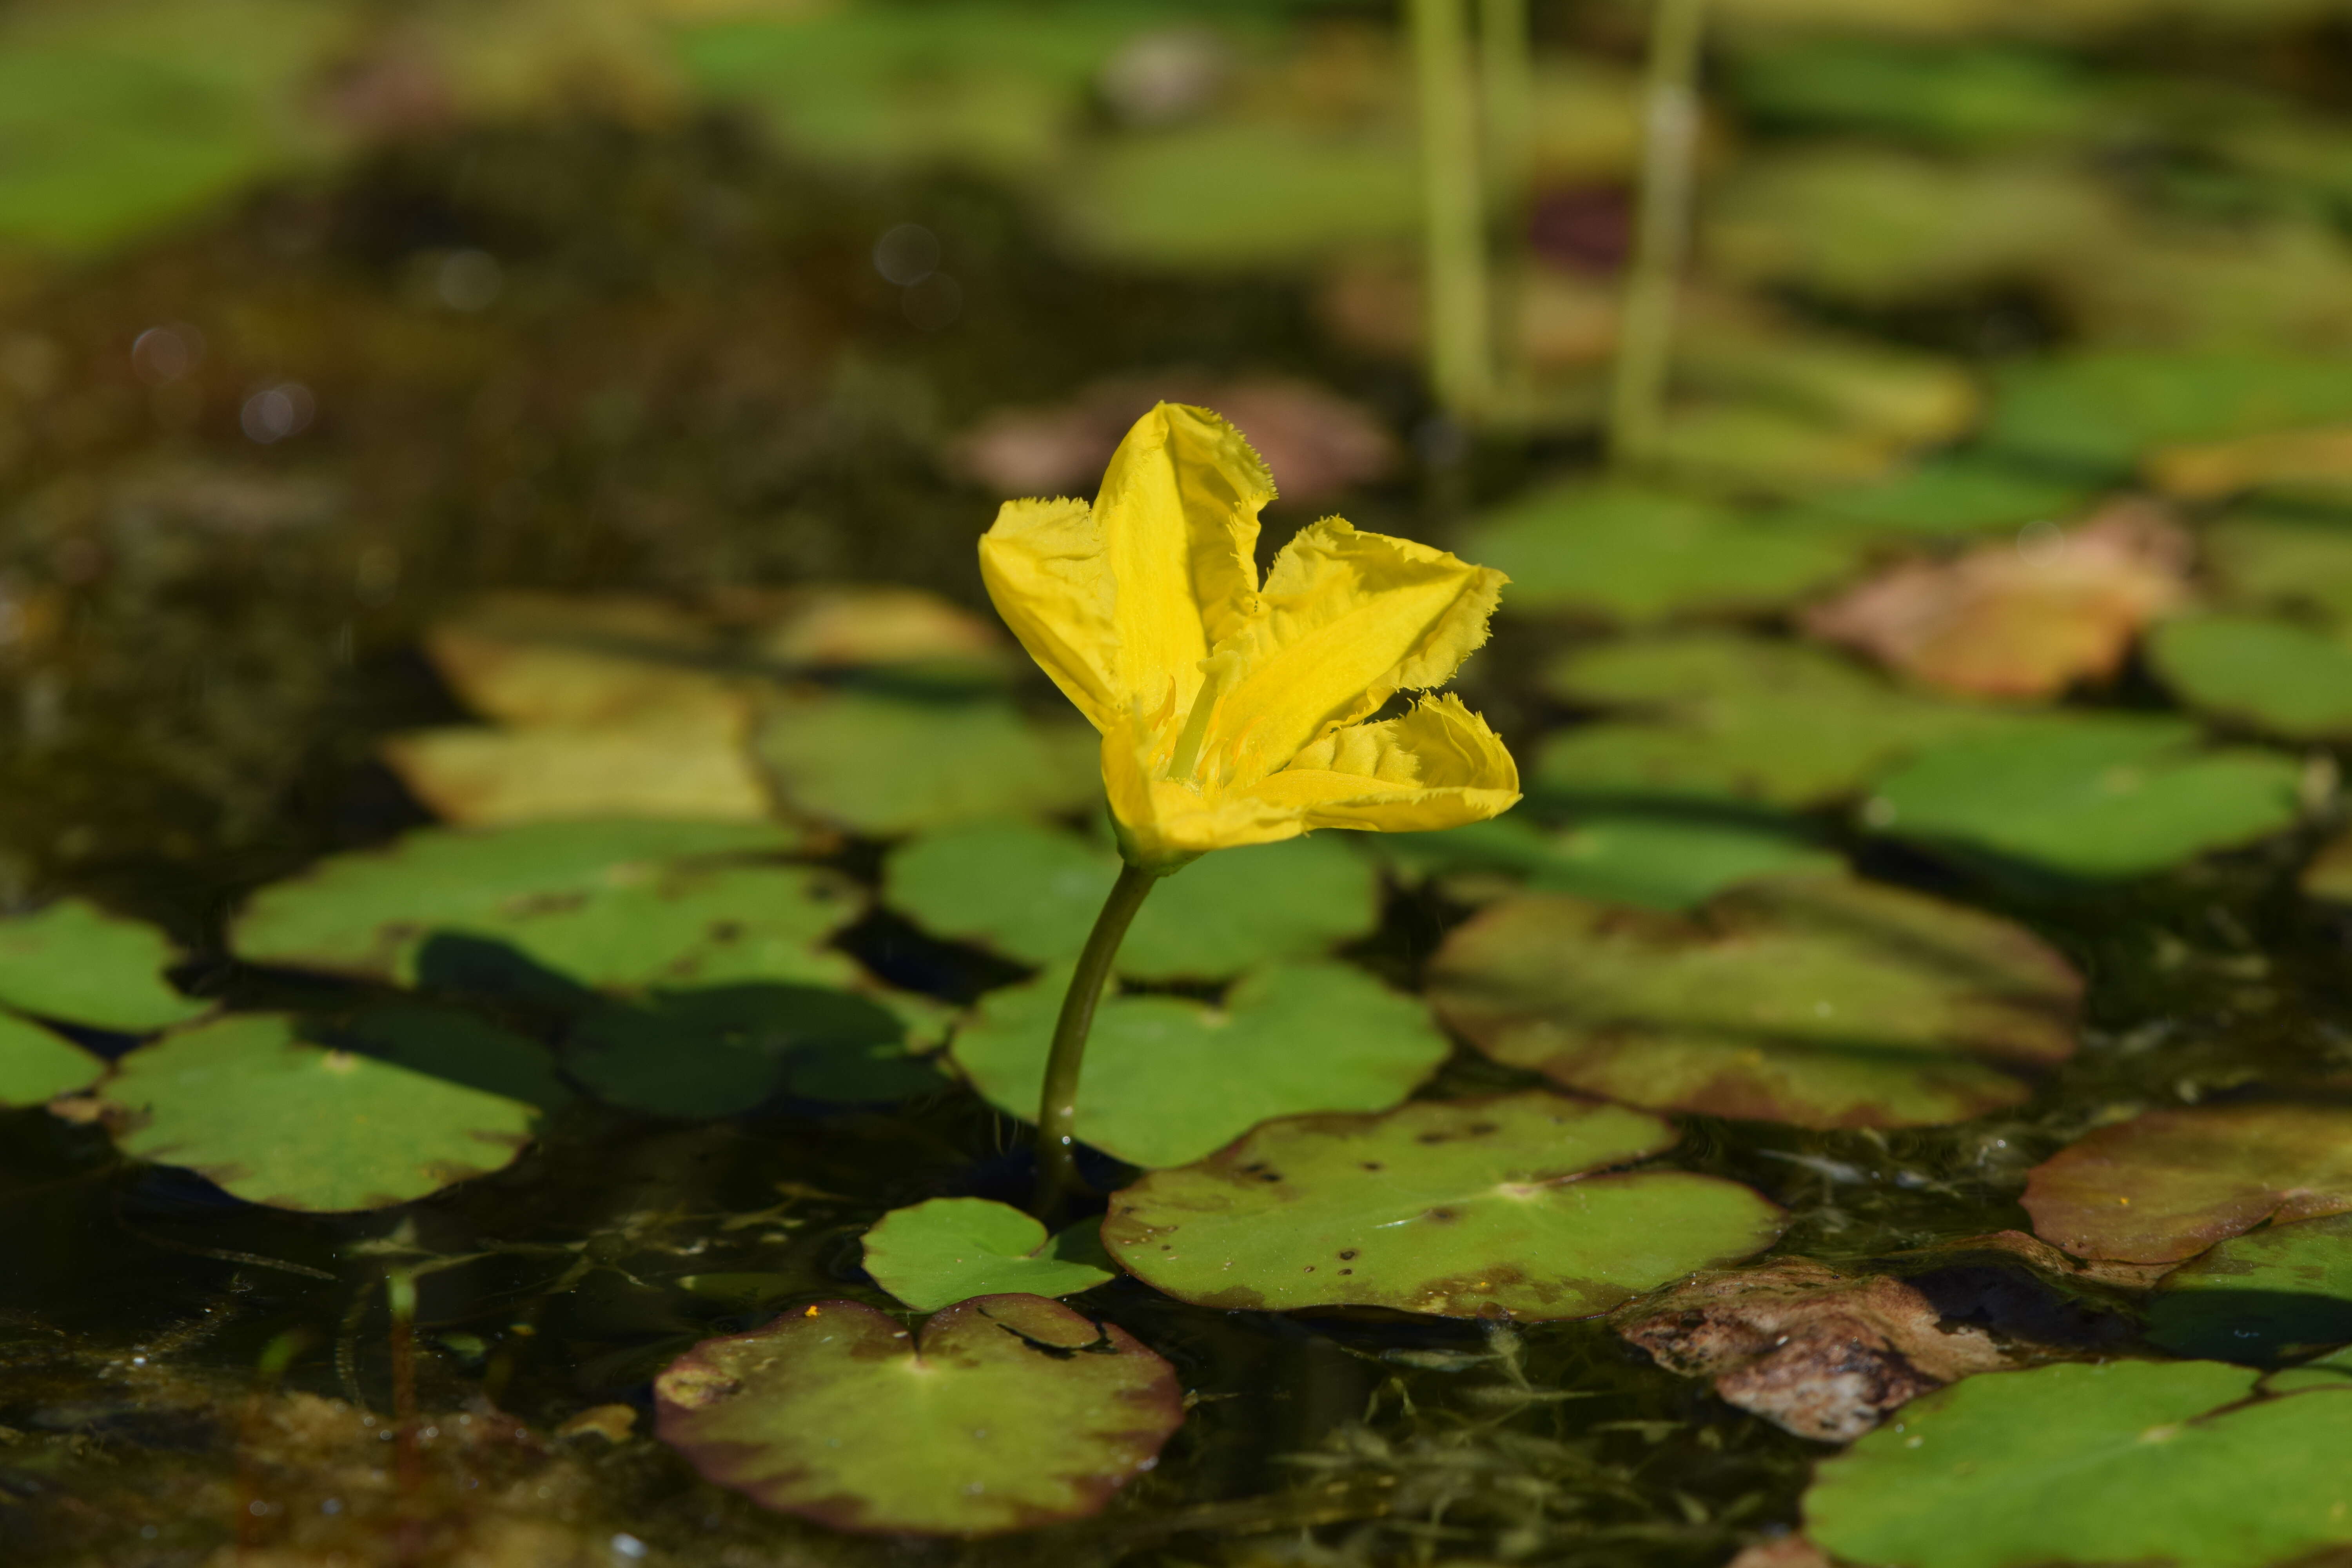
pixel 1232 712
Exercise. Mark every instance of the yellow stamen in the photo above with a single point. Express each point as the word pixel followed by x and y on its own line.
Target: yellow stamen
pixel 1216 671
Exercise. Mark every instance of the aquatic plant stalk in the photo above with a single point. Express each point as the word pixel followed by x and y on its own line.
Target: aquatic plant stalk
pixel 1461 328
pixel 1637 410
pixel 1057 1111
pixel 1506 97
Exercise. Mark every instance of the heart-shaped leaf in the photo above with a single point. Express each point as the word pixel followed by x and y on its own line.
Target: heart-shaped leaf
pixel 1169 1079
pixel 75 963
pixel 1498 1207
pixel 1654 862
pixel 2281 1291
pixel 602 904
pixel 1032 893
pixel 2170 1183
pixel 1011 1412
pixel 399 1104
pixel 949 1249
pixel 1818 1000
pixel 883 765
pixel 2124 1461
pixel 2271 675
pixel 2091 796
pixel 36 1065
pixel 2294 562
pixel 724 1050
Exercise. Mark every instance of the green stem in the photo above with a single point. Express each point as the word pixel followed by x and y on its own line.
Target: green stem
pixel 1637 413
pixel 1506 94
pixel 1454 210
pixel 1057 1111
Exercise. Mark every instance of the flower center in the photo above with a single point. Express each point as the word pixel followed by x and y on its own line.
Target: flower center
pixel 1217 672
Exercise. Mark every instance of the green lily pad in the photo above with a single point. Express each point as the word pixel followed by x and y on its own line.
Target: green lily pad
pixel 2331 1371
pixel 2290 561
pixel 613 904
pixel 1948 93
pixel 75 963
pixel 885 765
pixel 2091 796
pixel 723 1050
pixel 35 1066
pixel 1817 1000
pixel 1169 1079
pixel 1032 892
pixel 1653 862
pixel 1498 1208
pixel 2105 411
pixel 395 1107
pixel 2124 1461
pixel 1727 718
pixel 1944 497
pixel 1009 1413
pixel 2170 1183
pixel 2329 876
pixel 2271 675
pixel 949 1249
pixel 1627 554
pixel 2260 1297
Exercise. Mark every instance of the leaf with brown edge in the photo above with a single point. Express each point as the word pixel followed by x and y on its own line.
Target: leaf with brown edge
pixel 1010 1412
pixel 2166 1186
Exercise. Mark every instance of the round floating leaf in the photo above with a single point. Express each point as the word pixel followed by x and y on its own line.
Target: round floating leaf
pixel 2167 1184
pixel 723 1051
pixel 615 903
pixel 1010 1413
pixel 1951 496
pixel 2261 1297
pixel 1652 862
pixel 2126 1461
pixel 395 1107
pixel 1167 1080
pixel 2093 795
pixel 1499 1207
pixel 1730 718
pixel 76 962
pixel 2270 674
pixel 2329 876
pixel 2284 560
pixel 949 1249
pixel 1032 893
pixel 886 765
pixel 1948 92
pixel 2103 411
pixel 1817 1000
pixel 36 1065
pixel 688 770
pixel 1632 554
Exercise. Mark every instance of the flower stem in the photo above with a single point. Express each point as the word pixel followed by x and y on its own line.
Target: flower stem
pixel 1461 347
pixel 1057 1111
pixel 1670 113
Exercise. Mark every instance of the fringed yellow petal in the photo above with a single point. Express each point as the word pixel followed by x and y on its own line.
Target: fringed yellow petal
pixel 1178 520
pixel 1347 620
pixel 1044 566
pixel 1437 766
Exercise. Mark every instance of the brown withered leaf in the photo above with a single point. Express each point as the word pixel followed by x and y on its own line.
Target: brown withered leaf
pixel 1815 1351
pixel 2027 619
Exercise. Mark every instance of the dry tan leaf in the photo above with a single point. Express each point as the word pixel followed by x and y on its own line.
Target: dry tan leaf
pixel 534 658
pixel 2313 459
pixel 2026 619
pixel 849 627
pixel 699 769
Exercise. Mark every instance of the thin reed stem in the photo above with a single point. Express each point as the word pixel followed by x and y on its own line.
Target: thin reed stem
pixel 1670 111
pixel 1460 325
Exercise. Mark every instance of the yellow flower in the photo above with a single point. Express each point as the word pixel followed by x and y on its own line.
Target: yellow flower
pixel 1233 713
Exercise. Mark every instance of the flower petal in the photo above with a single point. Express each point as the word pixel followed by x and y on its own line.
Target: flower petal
pixel 1436 766
pixel 1043 563
pixel 1347 620
pixel 1163 822
pixel 1178 514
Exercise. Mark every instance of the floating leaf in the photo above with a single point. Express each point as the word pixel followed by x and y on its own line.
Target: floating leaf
pixel 2124 1461
pixel 1947 92
pixel 1498 1208
pixel 1817 1000
pixel 1169 1079
pixel 36 1065
pixel 2103 411
pixel 402 1104
pixel 613 904
pixel 2263 1297
pixel 2170 1183
pixel 2267 674
pixel 1654 862
pixel 1032 893
pixel 949 1249
pixel 492 778
pixel 1947 496
pixel 1631 554
pixel 572 661
pixel 877 628
pixel 723 1050
pixel 1011 1412
pixel 2019 620
pixel 1739 718
pixel 75 963
pixel 2096 795
pixel 885 765
pixel 2301 562
pixel 2313 464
